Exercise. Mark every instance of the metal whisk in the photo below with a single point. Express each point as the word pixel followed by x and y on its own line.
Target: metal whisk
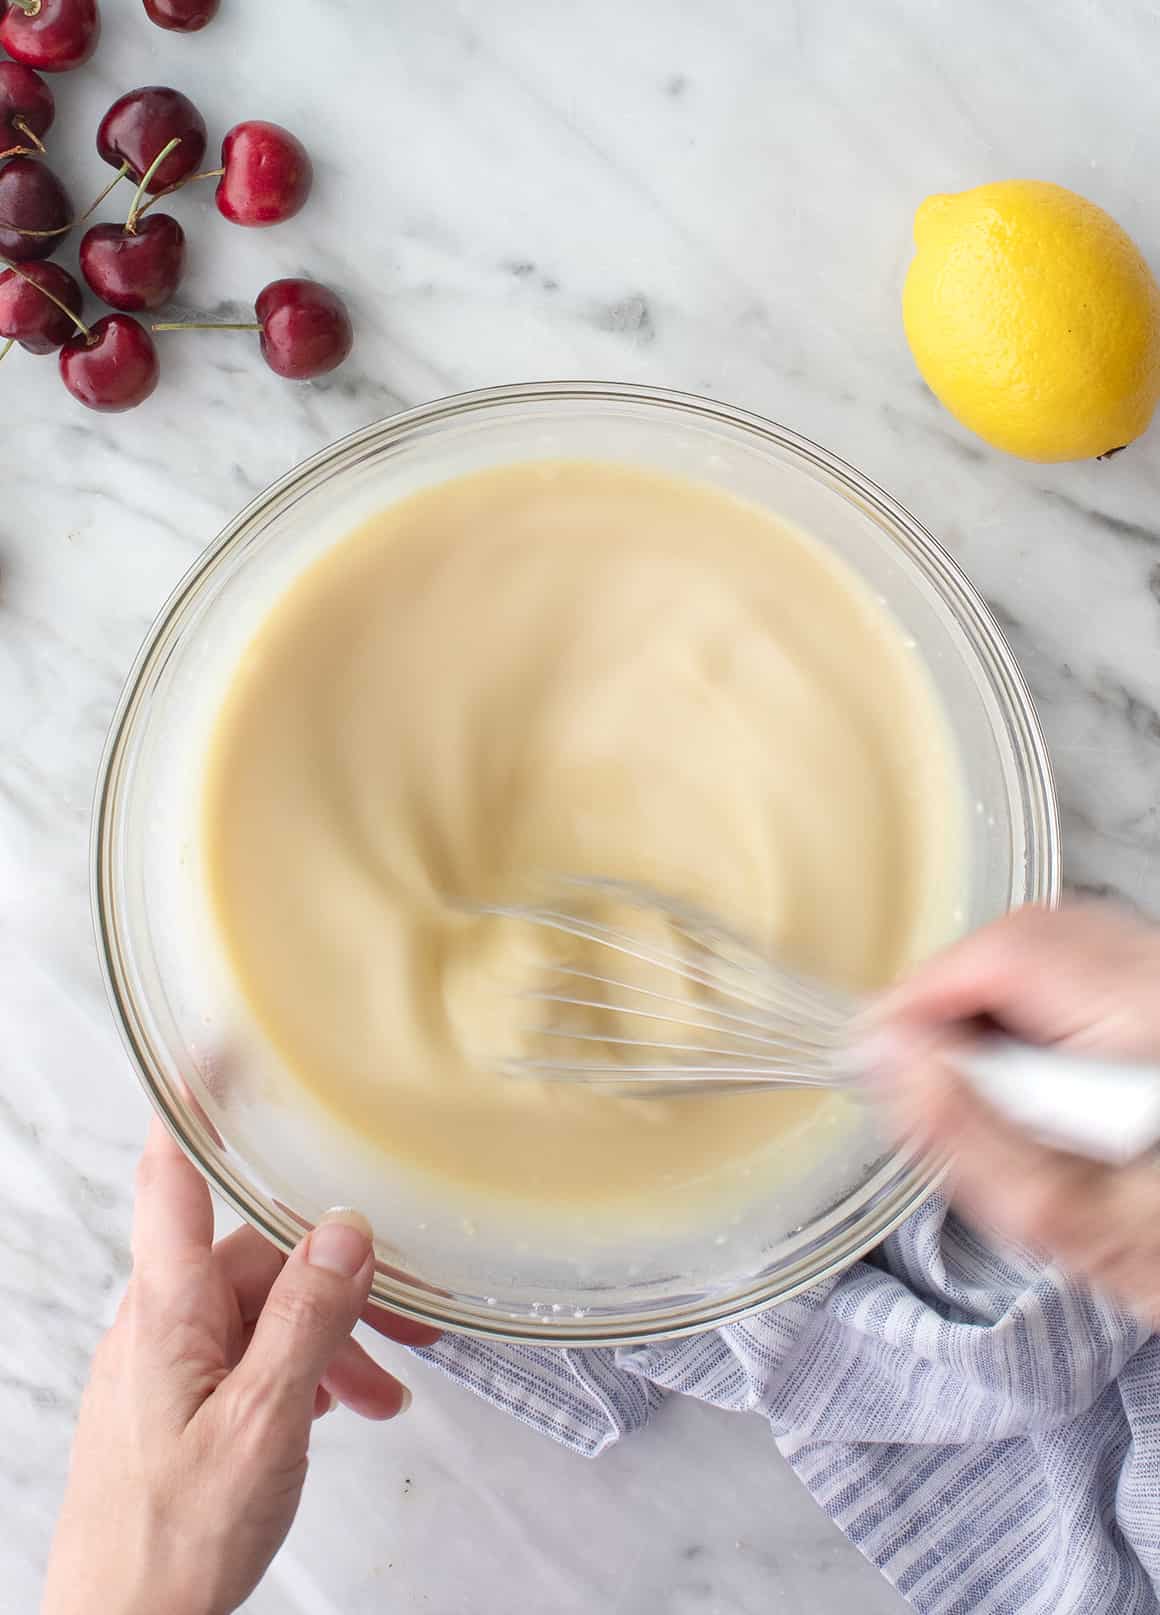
pixel 674 1003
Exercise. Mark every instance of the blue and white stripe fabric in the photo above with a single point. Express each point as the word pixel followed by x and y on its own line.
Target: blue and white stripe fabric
pixel 985 1432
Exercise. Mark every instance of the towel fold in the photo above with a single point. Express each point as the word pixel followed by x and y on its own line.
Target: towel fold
pixel 985 1432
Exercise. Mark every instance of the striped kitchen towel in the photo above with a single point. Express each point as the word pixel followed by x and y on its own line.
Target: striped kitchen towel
pixel 985 1432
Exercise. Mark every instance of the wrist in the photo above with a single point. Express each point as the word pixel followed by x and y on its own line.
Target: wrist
pixel 122 1588
pixel 113 1597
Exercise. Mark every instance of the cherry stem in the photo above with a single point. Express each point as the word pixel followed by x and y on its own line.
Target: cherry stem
pixel 135 208
pixel 63 229
pixel 190 179
pixel 111 186
pixel 29 135
pixel 35 146
pixel 17 230
pixel 204 325
pixel 30 8
pixel 7 349
pixel 52 297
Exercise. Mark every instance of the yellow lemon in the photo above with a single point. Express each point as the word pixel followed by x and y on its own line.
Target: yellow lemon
pixel 1035 319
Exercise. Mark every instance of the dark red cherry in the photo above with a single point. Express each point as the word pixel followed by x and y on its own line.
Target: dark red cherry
pixel 181 16
pixel 27 109
pixel 35 211
pixel 268 174
pixel 306 329
pixel 53 36
pixel 113 368
pixel 29 317
pixel 138 127
pixel 138 270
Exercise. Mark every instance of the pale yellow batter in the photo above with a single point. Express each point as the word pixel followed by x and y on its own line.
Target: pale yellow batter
pixel 563 668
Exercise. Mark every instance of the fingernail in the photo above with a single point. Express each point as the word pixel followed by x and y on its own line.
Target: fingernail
pixel 405 1401
pixel 341 1243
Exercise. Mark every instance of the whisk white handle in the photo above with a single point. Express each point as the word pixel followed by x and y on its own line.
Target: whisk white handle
pixel 1097 1108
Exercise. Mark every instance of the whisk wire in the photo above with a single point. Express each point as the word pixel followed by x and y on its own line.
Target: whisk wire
pixel 763 1033
pixel 771 1063
pixel 678 1075
pixel 778 986
pixel 624 943
pixel 764 1026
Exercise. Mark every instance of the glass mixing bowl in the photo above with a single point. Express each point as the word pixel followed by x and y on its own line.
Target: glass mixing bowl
pixel 251 1129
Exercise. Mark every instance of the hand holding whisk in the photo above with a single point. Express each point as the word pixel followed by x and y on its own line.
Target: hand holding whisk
pixel 672 1003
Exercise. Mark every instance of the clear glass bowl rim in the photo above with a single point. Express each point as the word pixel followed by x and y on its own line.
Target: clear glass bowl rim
pixel 853 1236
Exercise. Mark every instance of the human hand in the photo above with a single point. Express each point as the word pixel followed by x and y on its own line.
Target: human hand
pixel 191 1446
pixel 1086 978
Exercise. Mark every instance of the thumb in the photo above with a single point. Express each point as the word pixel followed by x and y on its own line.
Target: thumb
pixel 311 1309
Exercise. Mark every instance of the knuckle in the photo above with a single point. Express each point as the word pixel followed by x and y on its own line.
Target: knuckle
pixel 256 1412
pixel 152 1171
pixel 261 1422
pixel 251 1399
pixel 299 1309
pixel 148 1173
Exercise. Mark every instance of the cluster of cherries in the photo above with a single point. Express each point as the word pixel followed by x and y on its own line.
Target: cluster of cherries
pixel 156 138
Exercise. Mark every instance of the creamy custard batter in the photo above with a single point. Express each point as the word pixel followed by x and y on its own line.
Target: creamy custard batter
pixel 563 668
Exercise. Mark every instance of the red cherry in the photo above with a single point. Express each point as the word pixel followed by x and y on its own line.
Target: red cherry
pixel 267 175
pixel 138 127
pixel 29 317
pixel 51 35
pixel 31 199
pixel 112 369
pixel 138 270
pixel 27 109
pixel 181 16
pixel 306 329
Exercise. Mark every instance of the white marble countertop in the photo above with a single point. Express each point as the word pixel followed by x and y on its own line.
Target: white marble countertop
pixel 708 196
